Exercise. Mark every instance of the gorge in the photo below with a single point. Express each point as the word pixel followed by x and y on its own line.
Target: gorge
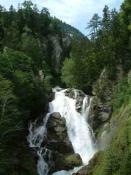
pixel 65 131
pixel 74 106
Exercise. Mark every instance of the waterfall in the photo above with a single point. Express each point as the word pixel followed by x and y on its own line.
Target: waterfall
pixel 35 139
pixel 79 131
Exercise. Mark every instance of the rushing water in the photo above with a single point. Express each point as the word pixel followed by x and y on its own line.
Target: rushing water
pixel 79 131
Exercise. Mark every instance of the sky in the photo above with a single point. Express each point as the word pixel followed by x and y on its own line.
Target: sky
pixel 74 12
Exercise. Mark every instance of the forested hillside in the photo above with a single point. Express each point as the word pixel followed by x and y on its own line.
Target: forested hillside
pixel 104 70
pixel 38 52
pixel 109 48
pixel 72 31
pixel 32 48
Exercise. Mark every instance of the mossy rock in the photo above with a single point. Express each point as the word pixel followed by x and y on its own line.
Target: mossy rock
pixel 65 162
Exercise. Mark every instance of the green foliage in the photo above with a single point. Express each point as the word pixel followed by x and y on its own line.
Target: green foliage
pixel 94 25
pixel 11 61
pixel 70 30
pixel 115 160
pixel 32 48
pixel 109 48
pixel 79 73
pixel 19 98
pixel 27 74
pixel 67 72
pixel 9 113
pixel 112 38
pixel 26 79
pixel 122 93
pixel 23 90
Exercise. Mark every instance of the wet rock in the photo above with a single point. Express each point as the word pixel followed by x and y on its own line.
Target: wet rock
pixel 78 95
pixel 74 93
pixel 101 110
pixel 57 141
pixel 99 113
pixel 57 137
pixel 88 169
pixel 51 96
pixel 70 93
pixel 65 162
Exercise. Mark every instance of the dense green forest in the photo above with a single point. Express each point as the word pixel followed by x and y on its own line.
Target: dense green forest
pixel 38 52
pixel 109 47
pixel 29 68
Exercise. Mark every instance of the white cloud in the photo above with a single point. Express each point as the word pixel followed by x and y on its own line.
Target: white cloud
pixel 74 12
pixel 78 12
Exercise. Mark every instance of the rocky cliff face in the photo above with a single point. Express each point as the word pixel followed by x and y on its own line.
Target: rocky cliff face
pixel 101 108
pixel 111 125
pixel 60 49
pixel 99 117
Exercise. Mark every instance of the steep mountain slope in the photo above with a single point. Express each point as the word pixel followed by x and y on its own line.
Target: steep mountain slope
pixel 70 30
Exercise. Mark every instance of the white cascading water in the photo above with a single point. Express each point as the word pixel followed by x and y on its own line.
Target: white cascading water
pixel 79 131
pixel 35 139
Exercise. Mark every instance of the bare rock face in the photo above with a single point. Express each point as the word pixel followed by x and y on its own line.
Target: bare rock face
pixel 57 53
pixel 60 48
pixel 62 153
pixel 99 114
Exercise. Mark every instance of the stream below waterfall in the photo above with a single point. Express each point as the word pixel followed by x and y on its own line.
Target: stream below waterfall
pixel 75 108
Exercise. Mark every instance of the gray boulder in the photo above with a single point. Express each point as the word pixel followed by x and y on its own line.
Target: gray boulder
pixel 57 141
pixel 57 137
pixel 88 169
pixel 65 162
pixel 99 113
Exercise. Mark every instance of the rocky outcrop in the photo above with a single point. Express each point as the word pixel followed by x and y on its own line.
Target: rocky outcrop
pixel 60 49
pixel 62 153
pixel 101 110
pixel 74 93
pixel 65 162
pixel 57 53
pixel 103 87
pixel 99 113
pixel 88 169
pixel 78 95
pixel 57 138
pixel 70 93
pixel 102 107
